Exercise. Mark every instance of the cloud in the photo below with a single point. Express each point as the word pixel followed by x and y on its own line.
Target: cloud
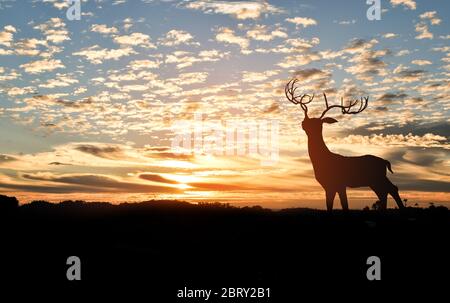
pixel 311 74
pixel 54 30
pixel 190 78
pixel 203 186
pixel 58 163
pixel 408 75
pixel 422 27
pixel 258 76
pixel 103 29
pixel 59 4
pixel 97 55
pixel 428 140
pixel 8 76
pixel 10 28
pixel 135 39
pixel 157 178
pixel 165 153
pixel 302 22
pixel 367 63
pixel 184 59
pixel 227 35
pixel 421 62
pixel 4 52
pixel 40 66
pixel 101 150
pixel 29 47
pixel 48 100
pixel 143 64
pixel 390 35
pixel 347 22
pixel 409 4
pixel 412 182
pixel 392 97
pixel 299 60
pixel 238 9
pixel 356 46
pixel 423 31
pixel 94 183
pixel 410 127
pixel 177 37
pixel 6 36
pixel 434 20
pixel 16 91
pixel 274 107
pixel 6 158
pixel 61 80
pixel 261 33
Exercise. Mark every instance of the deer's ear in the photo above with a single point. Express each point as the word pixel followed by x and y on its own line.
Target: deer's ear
pixel 329 120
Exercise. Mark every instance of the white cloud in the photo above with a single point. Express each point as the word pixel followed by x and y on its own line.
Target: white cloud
pixel 10 28
pixel 434 20
pixel 421 62
pixel 61 80
pixel 302 22
pixel 177 37
pixel 261 33
pixel 238 9
pixel 227 35
pixel 403 52
pixel 299 60
pixel 427 140
pixel 40 66
pixel 59 4
pixel 135 39
pixel 347 22
pixel 15 91
pixel 103 29
pixel 258 76
pixel 390 35
pixel 409 4
pixel 6 36
pixel 143 64
pixel 423 31
pixel 190 78
pixel 54 30
pixel 184 59
pixel 97 55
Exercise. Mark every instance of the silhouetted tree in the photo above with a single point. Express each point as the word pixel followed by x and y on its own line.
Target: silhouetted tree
pixel 8 203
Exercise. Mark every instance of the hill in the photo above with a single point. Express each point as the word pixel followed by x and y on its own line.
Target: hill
pixel 163 246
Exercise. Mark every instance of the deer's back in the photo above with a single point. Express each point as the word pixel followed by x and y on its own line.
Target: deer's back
pixel 345 171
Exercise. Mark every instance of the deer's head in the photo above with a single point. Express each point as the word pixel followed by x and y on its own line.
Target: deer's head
pixel 313 126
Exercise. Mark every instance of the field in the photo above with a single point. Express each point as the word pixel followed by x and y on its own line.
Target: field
pixel 162 246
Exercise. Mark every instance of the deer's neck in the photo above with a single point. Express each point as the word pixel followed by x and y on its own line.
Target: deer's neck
pixel 317 149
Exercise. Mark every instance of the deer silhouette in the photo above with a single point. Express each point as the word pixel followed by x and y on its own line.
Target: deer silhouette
pixel 335 172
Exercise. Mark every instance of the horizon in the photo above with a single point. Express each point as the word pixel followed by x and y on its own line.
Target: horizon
pixel 90 109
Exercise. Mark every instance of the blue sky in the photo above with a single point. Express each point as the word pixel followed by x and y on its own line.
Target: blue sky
pixel 117 79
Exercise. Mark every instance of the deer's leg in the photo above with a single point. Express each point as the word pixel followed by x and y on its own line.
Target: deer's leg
pixel 393 191
pixel 381 192
pixel 343 198
pixel 330 194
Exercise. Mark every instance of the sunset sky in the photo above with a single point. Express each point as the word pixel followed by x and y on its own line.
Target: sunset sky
pixel 88 107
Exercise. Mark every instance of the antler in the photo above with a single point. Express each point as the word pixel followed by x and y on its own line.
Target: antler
pixel 290 89
pixel 364 101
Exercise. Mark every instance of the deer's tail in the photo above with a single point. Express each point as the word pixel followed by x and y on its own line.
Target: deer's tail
pixel 388 165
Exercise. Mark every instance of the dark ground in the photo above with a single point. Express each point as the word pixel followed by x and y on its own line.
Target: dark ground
pixel 154 248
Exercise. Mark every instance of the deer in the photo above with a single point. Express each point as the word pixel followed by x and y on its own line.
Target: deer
pixel 336 172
